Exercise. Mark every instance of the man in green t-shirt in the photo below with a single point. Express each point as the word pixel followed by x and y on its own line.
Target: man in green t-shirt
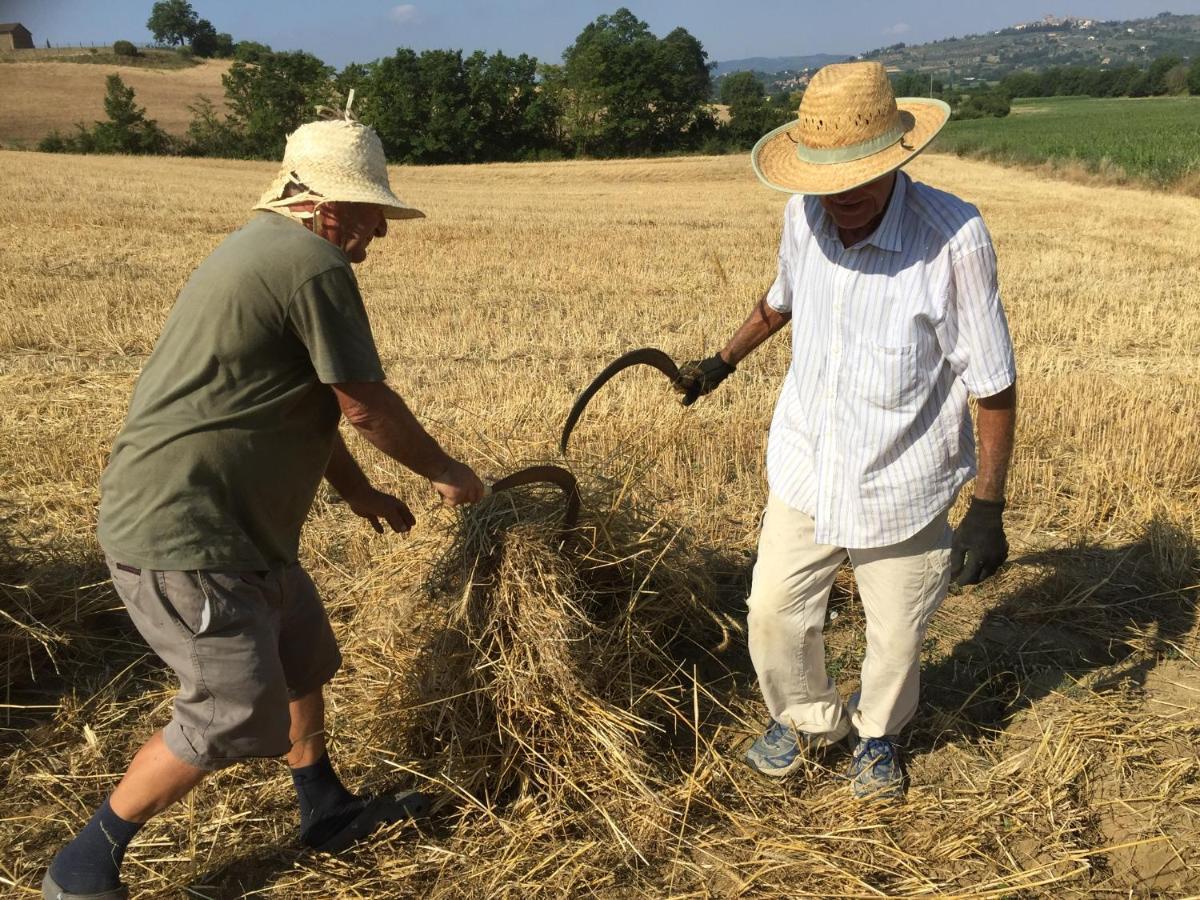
pixel 232 426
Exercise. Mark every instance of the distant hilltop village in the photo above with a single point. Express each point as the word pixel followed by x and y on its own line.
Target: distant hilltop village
pixel 1053 41
pixel 1047 22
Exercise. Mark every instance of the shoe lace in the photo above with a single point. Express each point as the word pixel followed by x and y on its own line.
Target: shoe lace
pixel 875 747
pixel 777 732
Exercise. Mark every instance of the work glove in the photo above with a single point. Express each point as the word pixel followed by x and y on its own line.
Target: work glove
pixel 701 376
pixel 979 546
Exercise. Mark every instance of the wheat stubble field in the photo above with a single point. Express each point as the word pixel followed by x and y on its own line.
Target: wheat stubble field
pixel 580 707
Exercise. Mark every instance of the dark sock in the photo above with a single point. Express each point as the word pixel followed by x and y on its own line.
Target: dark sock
pixel 92 862
pixel 325 804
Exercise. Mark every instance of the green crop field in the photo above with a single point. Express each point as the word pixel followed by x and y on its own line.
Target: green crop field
pixel 1156 141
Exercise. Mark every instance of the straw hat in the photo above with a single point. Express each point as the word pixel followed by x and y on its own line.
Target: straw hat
pixel 337 158
pixel 851 130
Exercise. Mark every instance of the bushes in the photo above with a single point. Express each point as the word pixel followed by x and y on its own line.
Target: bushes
pixel 126 130
pixel 125 48
pixel 982 105
pixel 1163 76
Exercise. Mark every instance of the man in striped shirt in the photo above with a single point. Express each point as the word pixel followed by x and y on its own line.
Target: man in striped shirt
pixel 891 289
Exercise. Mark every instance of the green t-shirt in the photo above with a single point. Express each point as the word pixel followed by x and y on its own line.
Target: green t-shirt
pixel 232 421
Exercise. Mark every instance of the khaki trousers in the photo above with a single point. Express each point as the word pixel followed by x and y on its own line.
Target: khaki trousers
pixel 901 586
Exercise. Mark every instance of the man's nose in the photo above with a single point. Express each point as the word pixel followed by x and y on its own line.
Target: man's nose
pixel 381 231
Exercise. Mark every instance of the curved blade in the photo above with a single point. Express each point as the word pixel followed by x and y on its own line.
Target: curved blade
pixel 547 475
pixel 647 356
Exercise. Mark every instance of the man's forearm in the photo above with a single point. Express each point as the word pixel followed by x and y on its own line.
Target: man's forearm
pixel 762 322
pixel 383 418
pixel 997 423
pixel 343 471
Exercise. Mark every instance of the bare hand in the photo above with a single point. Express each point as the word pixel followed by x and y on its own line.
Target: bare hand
pixel 374 505
pixel 458 484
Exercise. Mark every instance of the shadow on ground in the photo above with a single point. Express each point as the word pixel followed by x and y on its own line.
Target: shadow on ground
pixel 64 637
pixel 1096 616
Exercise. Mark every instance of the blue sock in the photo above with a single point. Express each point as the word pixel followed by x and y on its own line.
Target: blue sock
pixel 92 862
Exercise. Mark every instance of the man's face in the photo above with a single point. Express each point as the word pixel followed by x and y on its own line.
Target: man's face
pixel 352 226
pixel 857 207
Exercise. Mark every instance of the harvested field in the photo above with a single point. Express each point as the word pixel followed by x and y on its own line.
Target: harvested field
pixel 579 707
pixel 37 98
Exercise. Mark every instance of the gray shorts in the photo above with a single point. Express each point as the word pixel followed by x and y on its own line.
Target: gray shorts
pixel 243 644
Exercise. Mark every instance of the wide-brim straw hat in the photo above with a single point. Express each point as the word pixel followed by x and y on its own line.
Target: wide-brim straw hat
pixel 336 159
pixel 851 130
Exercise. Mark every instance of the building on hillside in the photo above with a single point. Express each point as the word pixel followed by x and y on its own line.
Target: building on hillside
pixel 15 36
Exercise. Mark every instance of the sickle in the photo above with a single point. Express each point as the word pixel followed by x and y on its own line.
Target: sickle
pixel 545 475
pixel 647 356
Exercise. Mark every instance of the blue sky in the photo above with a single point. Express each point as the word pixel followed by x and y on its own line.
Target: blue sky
pixel 361 30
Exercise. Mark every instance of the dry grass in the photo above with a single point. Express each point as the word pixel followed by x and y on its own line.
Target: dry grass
pixel 580 707
pixel 37 98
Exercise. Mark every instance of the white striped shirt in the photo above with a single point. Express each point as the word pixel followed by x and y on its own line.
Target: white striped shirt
pixel 871 436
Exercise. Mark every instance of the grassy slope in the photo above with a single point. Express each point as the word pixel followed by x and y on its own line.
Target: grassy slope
pixel 39 97
pixel 1054 753
pixel 1154 141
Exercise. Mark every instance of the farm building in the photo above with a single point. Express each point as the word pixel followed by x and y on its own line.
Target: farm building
pixel 15 36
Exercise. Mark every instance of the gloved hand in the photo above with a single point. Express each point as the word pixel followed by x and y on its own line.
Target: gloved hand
pixel 701 376
pixel 979 546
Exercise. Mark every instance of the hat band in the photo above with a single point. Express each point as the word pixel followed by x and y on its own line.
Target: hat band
pixel 832 155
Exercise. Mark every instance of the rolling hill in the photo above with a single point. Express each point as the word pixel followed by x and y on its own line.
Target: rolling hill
pixel 37 98
pixel 1051 41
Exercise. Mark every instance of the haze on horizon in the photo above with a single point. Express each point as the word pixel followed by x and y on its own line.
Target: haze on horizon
pixel 363 30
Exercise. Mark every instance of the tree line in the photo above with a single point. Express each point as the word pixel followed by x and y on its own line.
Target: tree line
pixel 619 91
pixel 1165 75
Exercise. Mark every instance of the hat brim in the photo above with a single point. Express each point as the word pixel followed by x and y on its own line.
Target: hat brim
pixel 777 165
pixel 345 191
pixel 393 206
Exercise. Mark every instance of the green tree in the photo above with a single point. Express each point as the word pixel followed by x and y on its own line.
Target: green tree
pixel 910 84
pixel 683 83
pixel 127 130
pixel 394 104
pixel 250 51
pixel 209 134
pixel 1176 79
pixel 606 76
pixel 742 88
pixel 515 118
pixel 1194 78
pixel 627 92
pixel 352 78
pixel 751 113
pixel 1021 84
pixel 982 104
pixel 1156 77
pixel 269 100
pixel 440 107
pixel 451 132
pixel 1124 80
pixel 204 39
pixel 172 21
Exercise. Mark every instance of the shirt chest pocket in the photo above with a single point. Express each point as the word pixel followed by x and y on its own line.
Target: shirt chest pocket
pixel 884 376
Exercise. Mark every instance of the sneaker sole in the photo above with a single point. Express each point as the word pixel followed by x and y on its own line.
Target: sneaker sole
pixel 51 891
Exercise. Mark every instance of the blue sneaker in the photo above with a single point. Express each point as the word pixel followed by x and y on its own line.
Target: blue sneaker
pixel 876 769
pixel 781 749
